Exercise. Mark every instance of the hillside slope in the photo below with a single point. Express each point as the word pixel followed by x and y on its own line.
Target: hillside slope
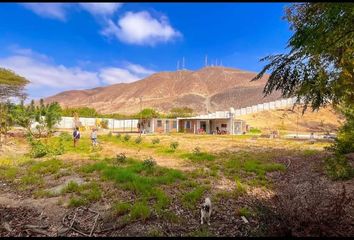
pixel 210 88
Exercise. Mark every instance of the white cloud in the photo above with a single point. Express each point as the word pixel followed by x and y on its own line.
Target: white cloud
pixel 103 9
pixel 141 28
pixel 113 75
pixel 48 78
pixel 48 10
pixel 140 70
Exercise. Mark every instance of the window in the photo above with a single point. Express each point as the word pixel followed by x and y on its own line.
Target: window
pixel 174 124
pixel 224 125
pixel 188 124
pixel 159 123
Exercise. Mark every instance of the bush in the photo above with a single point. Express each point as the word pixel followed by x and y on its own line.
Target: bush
pixel 338 168
pixel 121 158
pixel 155 141
pixel 65 136
pixel 149 162
pixel 197 150
pixel 38 149
pixel 104 124
pixel 138 140
pixel 109 134
pixel 174 145
pixel 126 137
pixel 255 130
pixel 119 136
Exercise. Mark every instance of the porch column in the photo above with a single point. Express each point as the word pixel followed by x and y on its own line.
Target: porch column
pixel 177 125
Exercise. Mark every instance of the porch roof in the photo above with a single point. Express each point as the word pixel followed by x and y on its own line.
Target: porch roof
pixel 210 116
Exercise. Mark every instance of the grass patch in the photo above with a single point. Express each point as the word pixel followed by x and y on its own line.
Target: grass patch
pixel 244 211
pixel 140 211
pixel 191 198
pixel 83 194
pixel 338 168
pixel 119 208
pixel 8 173
pixel 198 157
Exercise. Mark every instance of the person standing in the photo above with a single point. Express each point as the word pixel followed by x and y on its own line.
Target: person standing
pixel 76 135
pixel 94 137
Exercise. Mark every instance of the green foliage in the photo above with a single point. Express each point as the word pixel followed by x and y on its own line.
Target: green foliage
pixel 104 124
pixel 180 112
pixel 319 66
pixel 118 136
pixel 255 131
pixel 174 145
pixel 121 158
pixel 155 141
pixel 140 211
pixel 119 209
pixel 81 111
pixel 65 136
pixel 149 162
pixel 190 199
pixel 338 167
pixel 138 140
pixel 126 137
pixel 11 84
pixel 244 211
pixel 38 149
pixel 147 113
pixel 109 134
pixel 199 157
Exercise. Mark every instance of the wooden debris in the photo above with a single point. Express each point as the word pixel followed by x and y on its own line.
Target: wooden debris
pixel 244 219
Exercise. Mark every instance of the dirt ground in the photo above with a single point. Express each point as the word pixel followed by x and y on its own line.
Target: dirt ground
pixel 286 209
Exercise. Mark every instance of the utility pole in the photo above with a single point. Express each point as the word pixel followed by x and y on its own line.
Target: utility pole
pixel 206 60
pixel 183 63
pixel 177 65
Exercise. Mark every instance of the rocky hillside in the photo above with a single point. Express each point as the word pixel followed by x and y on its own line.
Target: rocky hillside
pixel 210 88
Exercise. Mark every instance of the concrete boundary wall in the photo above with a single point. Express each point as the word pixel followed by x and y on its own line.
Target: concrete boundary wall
pixel 288 102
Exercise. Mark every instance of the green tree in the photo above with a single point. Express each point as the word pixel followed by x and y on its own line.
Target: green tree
pixel 180 112
pixel 148 113
pixel 319 66
pixel 11 85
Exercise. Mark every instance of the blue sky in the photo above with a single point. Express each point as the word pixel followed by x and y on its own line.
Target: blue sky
pixel 63 46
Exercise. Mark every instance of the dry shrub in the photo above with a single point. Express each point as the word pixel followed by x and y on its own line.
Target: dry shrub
pixel 312 209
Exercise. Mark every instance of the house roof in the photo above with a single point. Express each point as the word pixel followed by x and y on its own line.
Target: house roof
pixel 210 116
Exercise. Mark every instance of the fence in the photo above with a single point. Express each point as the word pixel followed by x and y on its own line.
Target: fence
pixel 265 106
pixel 125 125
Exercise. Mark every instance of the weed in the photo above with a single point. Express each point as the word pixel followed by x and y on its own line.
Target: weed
pixel 119 209
pixel 155 141
pixel 190 199
pixel 140 211
pixel 121 158
pixel 338 168
pixel 174 145
pixel 138 140
pixel 126 137
pixel 149 162
pixel 244 211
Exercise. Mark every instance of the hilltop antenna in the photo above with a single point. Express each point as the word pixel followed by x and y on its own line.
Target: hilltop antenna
pixel 177 65
pixel 206 60
pixel 216 62
pixel 183 63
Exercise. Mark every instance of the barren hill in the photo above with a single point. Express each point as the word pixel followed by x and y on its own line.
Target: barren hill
pixel 210 88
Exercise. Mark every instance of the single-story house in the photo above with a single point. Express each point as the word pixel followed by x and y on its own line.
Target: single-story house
pixel 221 122
pixel 158 125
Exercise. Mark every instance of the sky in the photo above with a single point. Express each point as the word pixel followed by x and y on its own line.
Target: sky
pixel 65 46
